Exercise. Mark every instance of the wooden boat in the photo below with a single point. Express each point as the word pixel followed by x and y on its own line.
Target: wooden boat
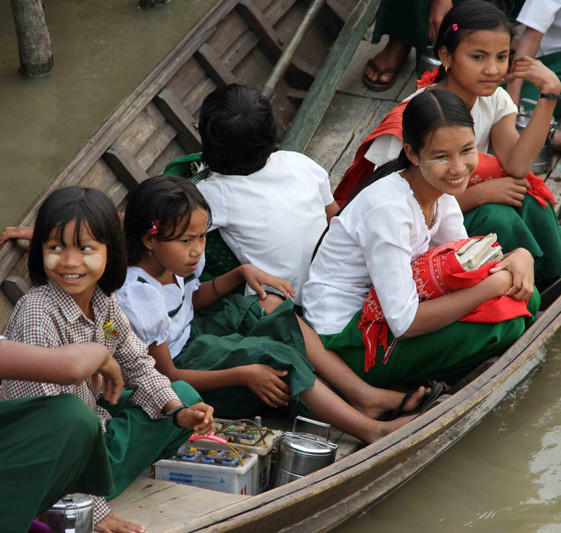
pixel 239 40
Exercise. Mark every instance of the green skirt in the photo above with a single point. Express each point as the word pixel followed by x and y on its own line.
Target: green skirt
pixel 447 354
pixel 552 61
pixel 237 332
pixel 49 447
pixel 531 226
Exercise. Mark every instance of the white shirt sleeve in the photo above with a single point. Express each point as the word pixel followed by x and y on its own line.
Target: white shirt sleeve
pixel 539 14
pixel 451 226
pixel 503 104
pixel 383 234
pixel 146 310
pixel 383 149
pixel 212 190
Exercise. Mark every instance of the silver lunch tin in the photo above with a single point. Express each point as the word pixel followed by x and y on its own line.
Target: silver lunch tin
pixel 71 514
pixel 300 454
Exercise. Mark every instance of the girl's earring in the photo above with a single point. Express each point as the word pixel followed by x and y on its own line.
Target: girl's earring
pixel 149 252
pixel 445 69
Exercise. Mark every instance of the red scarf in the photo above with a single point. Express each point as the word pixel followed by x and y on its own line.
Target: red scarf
pixel 435 273
pixel 488 167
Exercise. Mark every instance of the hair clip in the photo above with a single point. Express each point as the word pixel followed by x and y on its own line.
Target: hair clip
pixel 154 228
pixel 455 27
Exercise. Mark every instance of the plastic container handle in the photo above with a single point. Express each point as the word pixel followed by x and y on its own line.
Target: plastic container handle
pixel 212 436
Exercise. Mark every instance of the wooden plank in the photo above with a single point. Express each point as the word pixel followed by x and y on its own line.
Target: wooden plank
pixel 182 121
pixel 14 288
pixel 299 74
pixel 322 90
pixel 127 170
pixel 332 17
pixel 214 66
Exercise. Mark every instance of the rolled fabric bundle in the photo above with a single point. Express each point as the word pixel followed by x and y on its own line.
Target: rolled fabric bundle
pixel 441 271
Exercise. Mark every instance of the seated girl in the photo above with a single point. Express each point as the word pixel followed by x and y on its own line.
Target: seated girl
pixel 473 45
pixel 407 207
pixel 76 260
pixel 243 353
pixel 37 433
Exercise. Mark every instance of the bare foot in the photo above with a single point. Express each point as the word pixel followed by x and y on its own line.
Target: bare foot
pixel 392 56
pixel 380 401
pixel 113 524
pixel 381 429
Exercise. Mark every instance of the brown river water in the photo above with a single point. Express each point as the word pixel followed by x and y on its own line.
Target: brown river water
pixel 504 476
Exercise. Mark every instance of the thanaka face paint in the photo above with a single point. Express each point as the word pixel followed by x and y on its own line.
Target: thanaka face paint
pixel 94 262
pixel 51 260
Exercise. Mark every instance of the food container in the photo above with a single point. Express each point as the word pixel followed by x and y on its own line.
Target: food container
pixel 302 453
pixel 544 161
pixel 427 61
pixel 71 514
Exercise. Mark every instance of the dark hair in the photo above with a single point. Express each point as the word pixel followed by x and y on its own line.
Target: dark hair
pixel 167 201
pixel 238 131
pixel 465 18
pixel 425 113
pixel 85 206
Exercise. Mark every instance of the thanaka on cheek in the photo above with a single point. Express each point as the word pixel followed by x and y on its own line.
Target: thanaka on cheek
pixel 93 262
pixel 51 260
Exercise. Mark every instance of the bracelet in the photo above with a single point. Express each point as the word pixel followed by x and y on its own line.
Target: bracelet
pixel 174 412
pixel 215 290
pixel 550 96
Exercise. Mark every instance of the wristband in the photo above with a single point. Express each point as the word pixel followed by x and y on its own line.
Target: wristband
pixel 550 96
pixel 174 412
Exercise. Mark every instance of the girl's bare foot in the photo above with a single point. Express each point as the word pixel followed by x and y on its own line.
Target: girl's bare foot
pixel 113 524
pixel 381 429
pixel 381 70
pixel 381 401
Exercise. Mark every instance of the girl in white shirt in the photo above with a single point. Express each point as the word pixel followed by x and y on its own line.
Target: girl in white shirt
pixel 244 353
pixel 389 223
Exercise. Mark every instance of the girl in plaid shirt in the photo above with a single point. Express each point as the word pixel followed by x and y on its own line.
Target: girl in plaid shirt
pixel 76 261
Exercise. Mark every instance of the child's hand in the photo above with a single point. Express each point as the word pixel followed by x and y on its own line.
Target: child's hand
pixel 112 379
pixel 197 417
pixel 256 278
pixel 520 264
pixel 534 71
pixel 266 383
pixel 508 191
pixel 16 232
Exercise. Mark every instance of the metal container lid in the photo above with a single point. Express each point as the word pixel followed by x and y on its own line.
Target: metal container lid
pixel 81 501
pixel 308 444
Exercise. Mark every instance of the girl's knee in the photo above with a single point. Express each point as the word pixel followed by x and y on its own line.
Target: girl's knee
pixel 270 303
pixel 186 393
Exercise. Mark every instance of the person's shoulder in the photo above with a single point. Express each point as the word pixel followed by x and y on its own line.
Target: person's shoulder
pixel 387 193
pixel 36 307
pixel 296 158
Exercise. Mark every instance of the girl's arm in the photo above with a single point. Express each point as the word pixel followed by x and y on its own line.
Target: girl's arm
pixel 508 191
pixel 528 46
pixel 212 291
pixel 515 152
pixel 263 380
pixel 513 276
pixel 331 210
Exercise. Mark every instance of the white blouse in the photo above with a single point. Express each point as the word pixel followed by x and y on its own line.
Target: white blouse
pixel 486 112
pixel 373 242
pixel 160 313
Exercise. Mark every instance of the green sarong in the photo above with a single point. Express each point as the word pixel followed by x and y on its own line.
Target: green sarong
pixel 237 332
pixel 135 441
pixel 49 447
pixel 552 61
pixel 447 354
pixel 531 226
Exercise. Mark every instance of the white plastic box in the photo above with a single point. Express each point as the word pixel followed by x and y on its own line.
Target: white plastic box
pixel 232 479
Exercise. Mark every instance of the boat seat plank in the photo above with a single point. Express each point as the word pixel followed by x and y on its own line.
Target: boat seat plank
pixel 299 74
pixel 127 170
pixel 156 145
pixel 214 66
pixel 172 151
pixel 160 506
pixel 332 17
pixel 14 287
pixel 182 121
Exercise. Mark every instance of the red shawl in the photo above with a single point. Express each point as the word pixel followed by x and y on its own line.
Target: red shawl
pixel 435 273
pixel 488 167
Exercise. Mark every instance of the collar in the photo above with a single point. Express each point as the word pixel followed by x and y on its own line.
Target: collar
pixel 69 308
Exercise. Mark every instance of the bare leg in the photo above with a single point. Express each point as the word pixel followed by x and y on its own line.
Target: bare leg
pixel 330 408
pixel 369 400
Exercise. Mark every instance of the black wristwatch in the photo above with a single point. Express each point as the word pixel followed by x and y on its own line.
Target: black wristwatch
pixel 550 96
pixel 174 412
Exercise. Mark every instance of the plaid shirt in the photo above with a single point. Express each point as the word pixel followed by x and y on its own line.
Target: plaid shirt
pixel 47 316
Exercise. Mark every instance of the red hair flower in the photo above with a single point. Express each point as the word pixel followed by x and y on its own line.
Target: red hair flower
pixel 154 228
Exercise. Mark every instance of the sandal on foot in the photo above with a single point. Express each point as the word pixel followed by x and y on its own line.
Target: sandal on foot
pixel 428 401
pixel 379 85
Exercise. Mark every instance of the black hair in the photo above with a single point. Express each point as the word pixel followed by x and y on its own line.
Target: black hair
pixel 238 131
pixel 425 113
pixel 166 201
pixel 465 18
pixel 87 207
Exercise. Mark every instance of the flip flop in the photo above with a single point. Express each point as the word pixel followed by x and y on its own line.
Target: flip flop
pixel 427 402
pixel 379 85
